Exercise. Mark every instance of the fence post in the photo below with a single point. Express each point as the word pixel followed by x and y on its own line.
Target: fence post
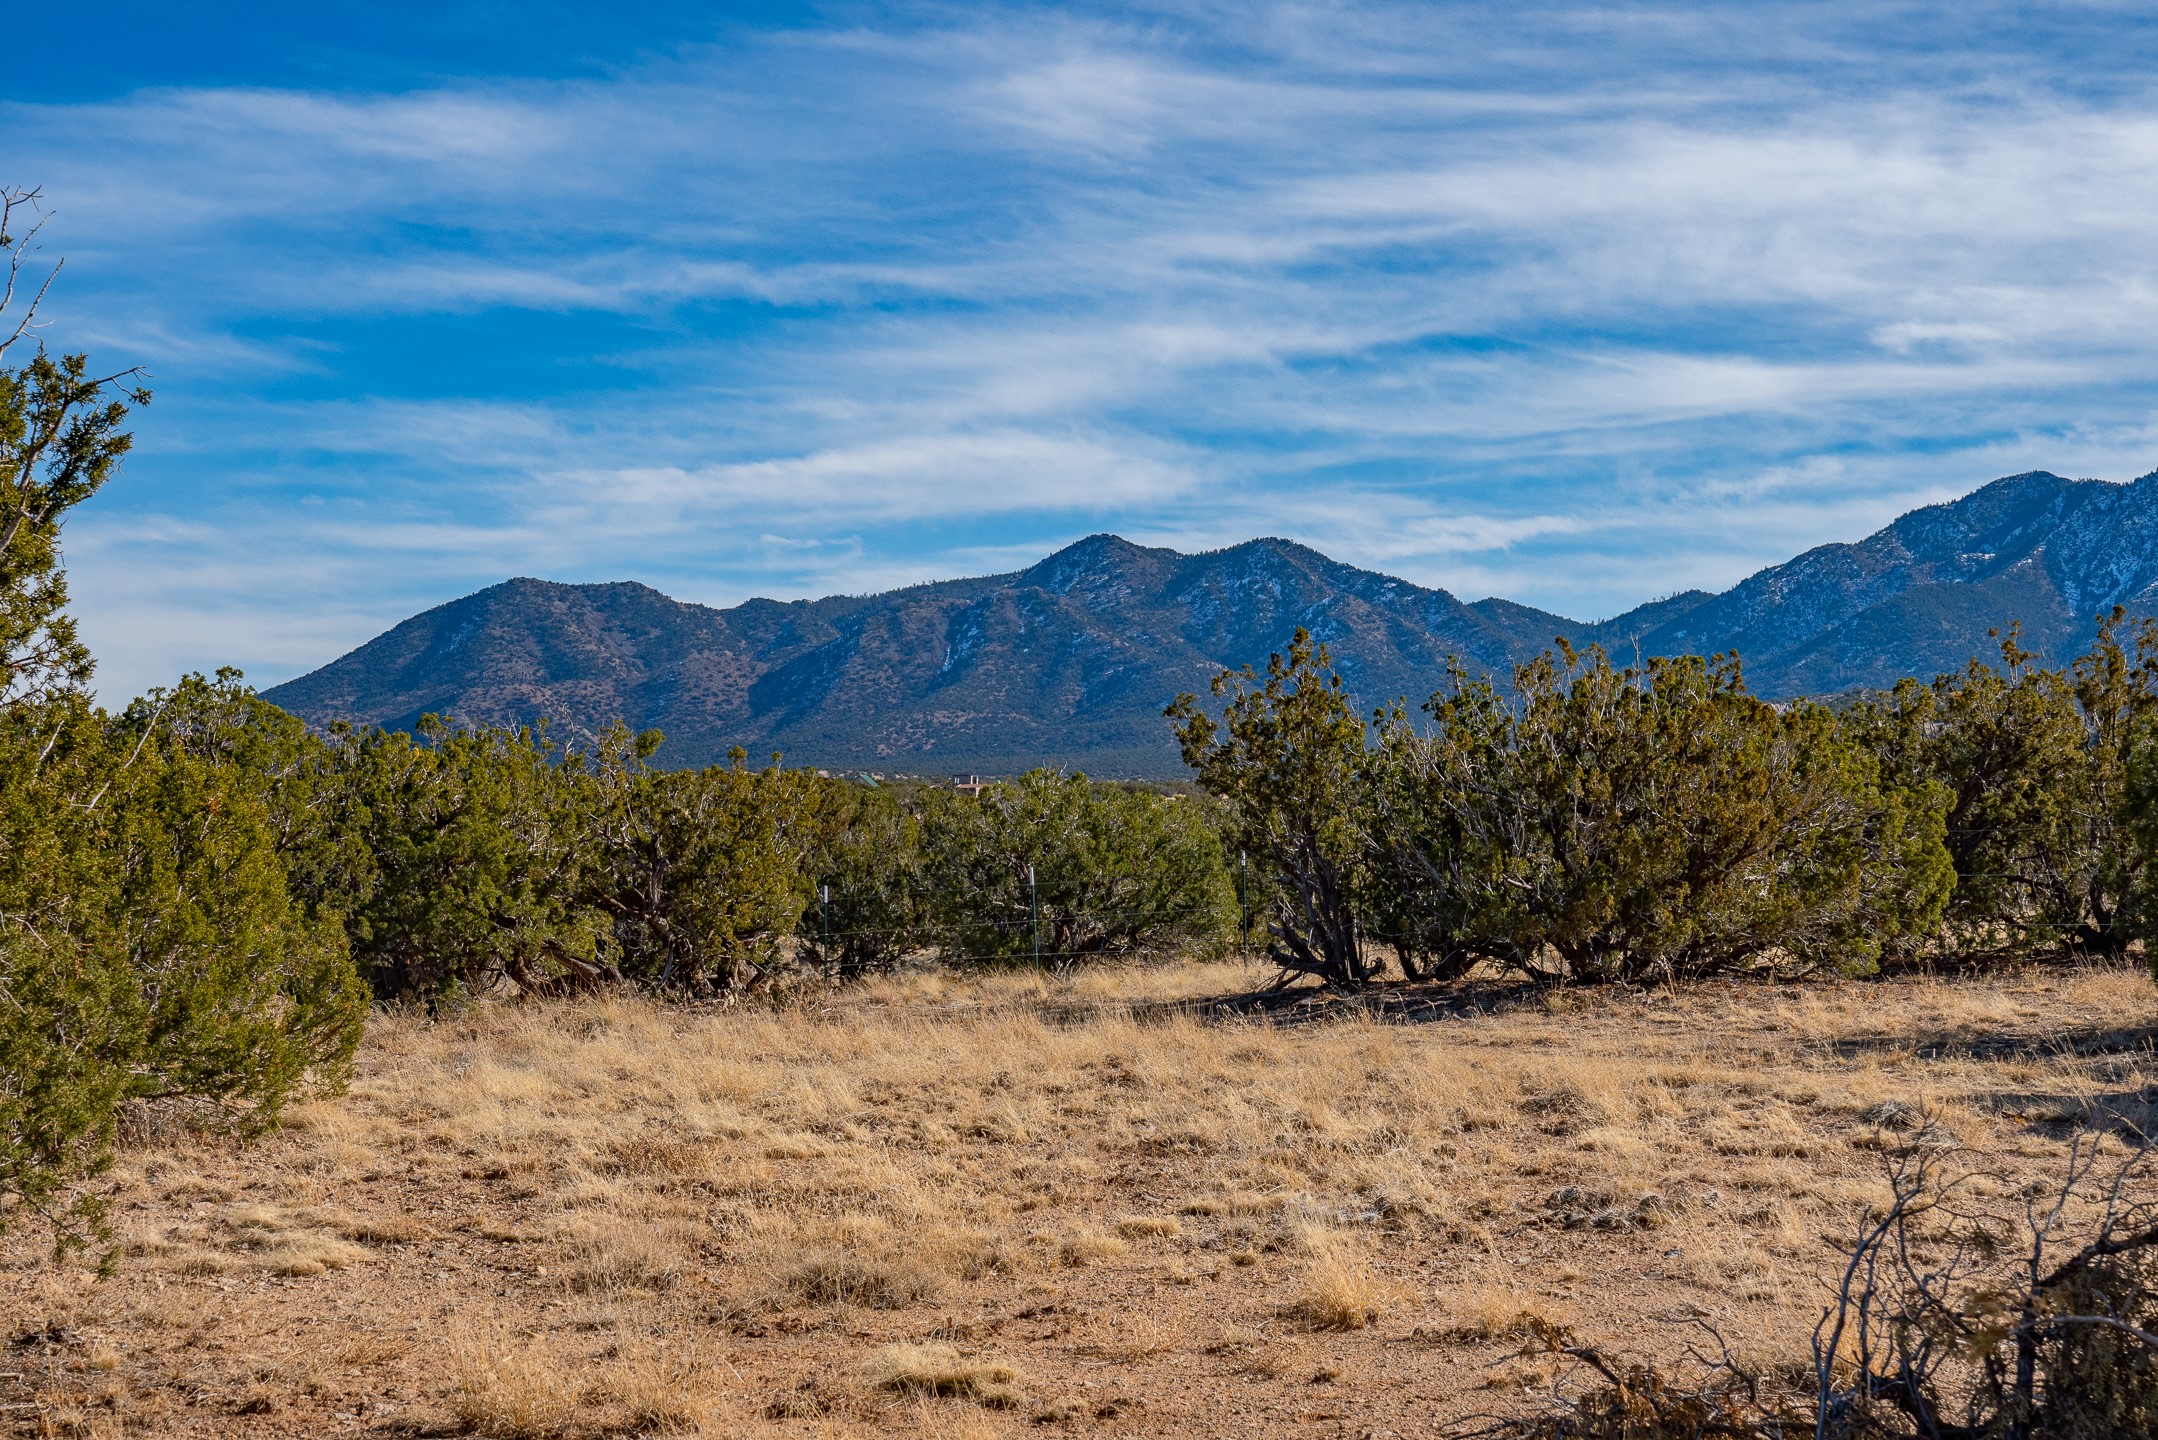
pixel 824 907
pixel 1034 908
pixel 1243 900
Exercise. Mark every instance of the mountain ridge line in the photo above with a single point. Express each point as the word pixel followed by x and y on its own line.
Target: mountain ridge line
pixel 1069 661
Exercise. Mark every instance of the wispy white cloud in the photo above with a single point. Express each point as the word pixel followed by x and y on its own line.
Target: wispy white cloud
pixel 1578 304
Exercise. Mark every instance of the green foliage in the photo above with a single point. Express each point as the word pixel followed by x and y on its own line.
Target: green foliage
pixel 244 994
pixel 1602 823
pixel 1658 821
pixel 1678 826
pixel 2116 689
pixel 1287 760
pixel 1642 824
pixel 475 860
pixel 150 951
pixel 2139 842
pixel 2037 763
pixel 2003 742
pixel 71 1016
pixel 1116 871
pixel 871 907
pixel 307 787
pixel 700 871
pixel 60 438
pixel 1440 881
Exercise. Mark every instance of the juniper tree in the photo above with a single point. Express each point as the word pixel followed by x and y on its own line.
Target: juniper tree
pixel 1673 824
pixel 313 787
pixel 2116 688
pixel 477 860
pixel 2037 765
pixel 61 436
pixel 244 995
pixel 700 871
pixel 870 908
pixel 1102 870
pixel 1287 761
pixel 1446 840
pixel 150 948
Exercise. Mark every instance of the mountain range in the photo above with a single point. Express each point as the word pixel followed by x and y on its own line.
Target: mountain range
pixel 1070 661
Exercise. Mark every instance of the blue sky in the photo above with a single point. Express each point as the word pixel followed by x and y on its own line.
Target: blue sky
pixel 1579 305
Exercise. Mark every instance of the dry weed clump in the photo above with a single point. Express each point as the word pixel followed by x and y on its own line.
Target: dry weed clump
pixel 1341 1289
pixel 1148 1227
pixel 941 1370
pixel 1089 1247
pixel 813 1397
pixel 663 1393
pixel 1480 1312
pixel 272 1238
pixel 865 1260
pixel 886 1279
pixel 605 1254
pixel 509 1391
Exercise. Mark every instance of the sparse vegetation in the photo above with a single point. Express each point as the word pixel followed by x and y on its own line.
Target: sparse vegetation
pixel 1340 1289
pixel 585 1197
pixel 941 1370
pixel 509 1391
pixel 1953 1314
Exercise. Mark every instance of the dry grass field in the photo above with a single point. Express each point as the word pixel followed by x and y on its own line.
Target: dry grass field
pixel 1007 1206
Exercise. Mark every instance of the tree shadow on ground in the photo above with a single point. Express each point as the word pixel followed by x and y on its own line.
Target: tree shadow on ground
pixel 2130 1112
pixel 1991 1044
pixel 1395 1002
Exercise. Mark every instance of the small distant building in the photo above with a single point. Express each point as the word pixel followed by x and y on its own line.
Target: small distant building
pixel 970 785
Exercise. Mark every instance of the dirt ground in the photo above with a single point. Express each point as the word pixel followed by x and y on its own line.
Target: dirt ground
pixel 1013 1206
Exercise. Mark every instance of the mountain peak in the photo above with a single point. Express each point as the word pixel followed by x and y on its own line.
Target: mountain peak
pixel 1097 557
pixel 1276 547
pixel 1071 660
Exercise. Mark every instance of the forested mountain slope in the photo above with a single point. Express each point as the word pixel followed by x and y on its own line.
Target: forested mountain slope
pixel 1919 596
pixel 1070 661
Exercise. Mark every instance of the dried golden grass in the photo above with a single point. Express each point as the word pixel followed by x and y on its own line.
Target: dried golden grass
pixel 618 1170
pixel 1148 1227
pixel 862 1259
pixel 1480 1311
pixel 1089 1247
pixel 251 1236
pixel 504 1390
pixel 942 1370
pixel 605 1253
pixel 837 1131
pixel 663 1392
pixel 1341 1289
